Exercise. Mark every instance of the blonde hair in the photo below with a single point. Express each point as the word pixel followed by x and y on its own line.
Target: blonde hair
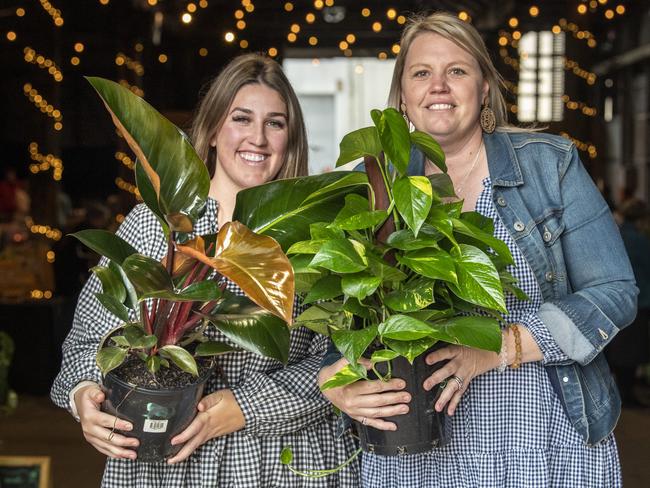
pixel 245 70
pixel 466 37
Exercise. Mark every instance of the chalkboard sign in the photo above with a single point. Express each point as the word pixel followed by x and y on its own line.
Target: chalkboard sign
pixel 24 472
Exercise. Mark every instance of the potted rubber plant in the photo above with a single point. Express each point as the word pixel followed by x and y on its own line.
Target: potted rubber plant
pixel 156 363
pixel 398 270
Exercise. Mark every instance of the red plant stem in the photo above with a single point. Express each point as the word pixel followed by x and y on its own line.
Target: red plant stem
pixel 381 196
pixel 146 319
pixel 193 321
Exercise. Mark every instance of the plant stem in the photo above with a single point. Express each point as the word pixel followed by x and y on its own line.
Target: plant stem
pixel 321 473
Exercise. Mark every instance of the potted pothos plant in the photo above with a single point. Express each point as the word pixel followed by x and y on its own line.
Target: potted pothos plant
pixel 398 270
pixel 156 363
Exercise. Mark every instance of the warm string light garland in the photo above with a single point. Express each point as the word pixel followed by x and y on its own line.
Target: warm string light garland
pixel 42 104
pixel 124 185
pixel 31 56
pixel 44 230
pixel 45 162
pixel 53 12
pixel 588 147
pixel 122 59
pixel 125 159
pixel 132 88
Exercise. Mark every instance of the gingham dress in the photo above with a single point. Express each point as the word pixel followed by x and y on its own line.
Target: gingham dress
pixel 281 405
pixel 510 429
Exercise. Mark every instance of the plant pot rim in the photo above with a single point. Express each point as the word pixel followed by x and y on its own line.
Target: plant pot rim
pixel 165 390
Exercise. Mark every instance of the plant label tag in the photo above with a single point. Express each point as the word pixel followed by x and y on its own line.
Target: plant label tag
pixel 155 426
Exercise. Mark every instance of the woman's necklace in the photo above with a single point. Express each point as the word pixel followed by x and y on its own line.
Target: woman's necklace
pixel 461 185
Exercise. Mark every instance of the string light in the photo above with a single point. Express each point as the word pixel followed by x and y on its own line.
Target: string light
pixel 313 40
pixel 11 36
pixel 241 25
pixel 203 3
pixel 46 162
pixel 288 6
pixel 318 4
pixel 53 12
pixel 382 55
pixel 588 147
pixel 20 12
pixel 50 256
pixel 125 159
pixel 162 58
pixel 123 60
pixel 203 52
pixel 343 45
pixel 75 61
pixel 401 20
pixel 351 38
pixel 128 187
pixel 79 47
pixel 365 12
pixel 391 13
pixel 33 57
pixel 464 16
pixel 533 11
pixel 40 294
pixel 243 44
pixel 186 18
pixel 42 104
pixel 273 52
pixel 376 26
pixel 310 18
pixel 191 7
pixel 44 230
pixel 229 37
pixel 395 48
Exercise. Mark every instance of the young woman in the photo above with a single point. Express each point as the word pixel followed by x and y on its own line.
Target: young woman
pixel 547 419
pixel 249 130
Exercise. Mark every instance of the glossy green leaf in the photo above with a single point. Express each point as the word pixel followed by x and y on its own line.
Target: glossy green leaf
pixel 472 331
pixel 177 174
pixel 468 229
pixel 363 220
pixel 353 343
pixel 478 280
pixel 285 209
pixel 133 333
pixel 357 308
pixel 410 349
pixel 213 348
pixel 153 364
pixel 304 276
pixel 321 317
pixel 109 358
pixel 357 144
pixel 417 295
pixel 322 230
pixel 252 328
pixel 307 247
pixel 439 220
pixel 114 306
pixel 432 263
pixel 180 357
pixel 383 355
pixel 394 136
pixel 413 199
pixel 360 285
pixel 442 185
pixel 404 328
pixel 286 456
pixel 406 241
pixel 120 341
pixel 429 315
pixel 147 275
pixel 106 244
pixel 203 291
pixel 111 282
pixel 341 256
pixel 131 301
pixel 431 149
pixel 347 375
pixel 382 270
pixel 326 288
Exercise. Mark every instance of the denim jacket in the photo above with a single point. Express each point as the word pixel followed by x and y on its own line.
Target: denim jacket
pixel 562 225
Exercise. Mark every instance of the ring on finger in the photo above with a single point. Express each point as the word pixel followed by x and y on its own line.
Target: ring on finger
pixel 459 381
pixel 364 420
pixel 111 434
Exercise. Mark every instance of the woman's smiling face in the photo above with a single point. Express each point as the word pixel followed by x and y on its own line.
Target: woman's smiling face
pixel 252 141
pixel 443 88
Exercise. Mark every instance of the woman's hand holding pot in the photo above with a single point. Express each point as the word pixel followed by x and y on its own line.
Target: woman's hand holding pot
pixel 367 401
pixel 219 415
pixel 99 428
pixel 464 364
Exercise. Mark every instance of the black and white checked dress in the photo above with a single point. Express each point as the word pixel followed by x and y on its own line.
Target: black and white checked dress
pixel 510 430
pixel 281 405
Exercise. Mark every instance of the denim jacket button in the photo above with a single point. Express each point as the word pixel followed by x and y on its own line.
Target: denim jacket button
pixel 547 235
pixel 519 226
pixel 549 276
pixel 501 202
pixel 565 379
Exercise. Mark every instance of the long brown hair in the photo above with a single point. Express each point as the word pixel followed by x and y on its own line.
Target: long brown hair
pixel 211 112
pixel 466 37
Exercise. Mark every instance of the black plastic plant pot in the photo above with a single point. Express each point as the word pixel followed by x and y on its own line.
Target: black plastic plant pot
pixel 422 428
pixel 157 415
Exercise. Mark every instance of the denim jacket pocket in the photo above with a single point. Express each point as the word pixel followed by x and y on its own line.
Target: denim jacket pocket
pixel 551 226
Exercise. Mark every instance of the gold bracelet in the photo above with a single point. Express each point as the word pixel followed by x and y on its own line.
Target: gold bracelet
pixel 517 361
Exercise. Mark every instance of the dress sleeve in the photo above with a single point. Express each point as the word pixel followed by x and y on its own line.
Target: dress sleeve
pixel 91 323
pixel 285 400
pixel 603 291
pixel 552 353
